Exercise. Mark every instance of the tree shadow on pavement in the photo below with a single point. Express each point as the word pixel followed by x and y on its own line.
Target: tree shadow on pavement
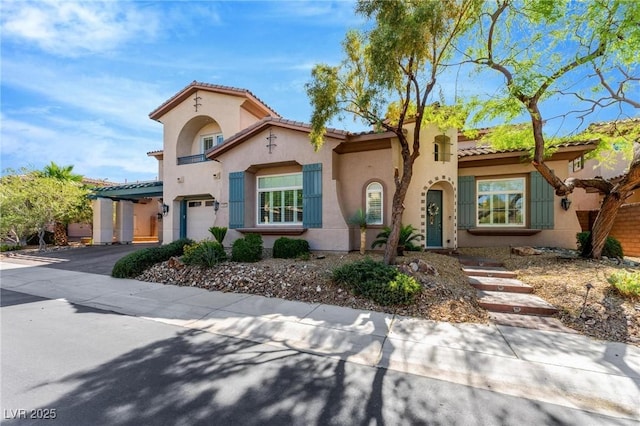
pixel 197 377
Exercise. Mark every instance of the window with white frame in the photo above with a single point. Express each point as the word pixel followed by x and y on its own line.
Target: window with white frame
pixel 209 141
pixel 374 203
pixel 280 199
pixel 501 202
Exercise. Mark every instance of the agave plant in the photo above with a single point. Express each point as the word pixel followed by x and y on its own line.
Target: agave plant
pixel 406 242
pixel 218 232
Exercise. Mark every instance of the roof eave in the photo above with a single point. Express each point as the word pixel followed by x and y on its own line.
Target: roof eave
pixel 195 86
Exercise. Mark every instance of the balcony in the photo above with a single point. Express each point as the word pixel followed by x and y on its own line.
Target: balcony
pixel 191 159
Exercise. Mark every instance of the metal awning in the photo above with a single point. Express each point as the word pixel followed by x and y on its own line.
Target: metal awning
pixel 129 191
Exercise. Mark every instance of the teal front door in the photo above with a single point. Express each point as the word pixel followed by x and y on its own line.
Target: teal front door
pixel 434 218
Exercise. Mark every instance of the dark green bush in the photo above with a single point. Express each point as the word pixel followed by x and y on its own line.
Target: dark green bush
pixel 204 253
pixel 612 247
pixel 34 240
pixel 10 247
pixel 135 263
pixel 247 249
pixel 381 283
pixel 289 248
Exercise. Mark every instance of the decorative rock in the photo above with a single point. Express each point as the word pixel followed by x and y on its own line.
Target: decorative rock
pixel 175 263
pixel 525 251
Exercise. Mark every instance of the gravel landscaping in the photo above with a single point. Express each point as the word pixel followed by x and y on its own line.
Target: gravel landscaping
pixel 445 296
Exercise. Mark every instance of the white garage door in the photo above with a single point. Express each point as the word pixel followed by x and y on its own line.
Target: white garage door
pixel 200 217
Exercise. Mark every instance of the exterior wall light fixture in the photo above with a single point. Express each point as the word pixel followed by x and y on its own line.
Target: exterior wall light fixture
pixel 565 203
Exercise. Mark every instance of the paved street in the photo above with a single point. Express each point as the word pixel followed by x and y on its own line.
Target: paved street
pixel 97 367
pixel 90 259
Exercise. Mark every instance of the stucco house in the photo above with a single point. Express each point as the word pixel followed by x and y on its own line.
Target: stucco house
pixel 230 160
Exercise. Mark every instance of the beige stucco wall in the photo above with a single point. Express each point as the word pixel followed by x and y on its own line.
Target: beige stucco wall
pixel 145 222
pixel 430 174
pixel 354 172
pixel 292 151
pixel 566 223
pixel 183 127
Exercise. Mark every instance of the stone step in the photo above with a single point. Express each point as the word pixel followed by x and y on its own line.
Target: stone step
pixel 516 303
pixel 489 271
pixel 530 321
pixel 478 261
pixel 509 285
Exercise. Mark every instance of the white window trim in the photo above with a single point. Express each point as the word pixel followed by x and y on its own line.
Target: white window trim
pixel 366 204
pixel 524 203
pixel 282 188
pixel 216 140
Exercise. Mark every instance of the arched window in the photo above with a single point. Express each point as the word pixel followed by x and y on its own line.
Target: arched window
pixel 374 203
pixel 442 148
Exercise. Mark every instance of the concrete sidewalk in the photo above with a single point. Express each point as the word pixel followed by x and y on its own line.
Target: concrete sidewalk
pixel 561 368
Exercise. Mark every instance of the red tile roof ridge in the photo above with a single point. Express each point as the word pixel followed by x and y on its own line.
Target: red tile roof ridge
pixel 198 84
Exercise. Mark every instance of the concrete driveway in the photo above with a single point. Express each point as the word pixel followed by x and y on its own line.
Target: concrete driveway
pixel 90 259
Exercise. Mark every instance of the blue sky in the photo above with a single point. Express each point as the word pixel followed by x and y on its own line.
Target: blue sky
pixel 79 79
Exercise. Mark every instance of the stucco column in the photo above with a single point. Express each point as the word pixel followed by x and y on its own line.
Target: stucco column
pixel 124 222
pixel 102 221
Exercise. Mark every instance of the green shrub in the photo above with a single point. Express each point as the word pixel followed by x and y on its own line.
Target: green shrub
pixel 218 232
pixel 135 263
pixel 204 253
pixel 247 249
pixel 405 242
pixel 10 247
pixel 627 283
pixel 612 247
pixel 289 248
pixel 381 283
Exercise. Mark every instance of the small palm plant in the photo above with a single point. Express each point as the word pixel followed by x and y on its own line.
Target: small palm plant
pixel 360 219
pixel 218 233
pixel 406 242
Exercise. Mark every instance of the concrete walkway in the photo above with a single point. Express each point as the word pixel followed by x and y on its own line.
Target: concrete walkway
pixel 561 368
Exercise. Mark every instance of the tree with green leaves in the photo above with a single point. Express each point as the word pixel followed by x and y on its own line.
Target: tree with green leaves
pixel 387 79
pixel 545 50
pixel 65 174
pixel 30 202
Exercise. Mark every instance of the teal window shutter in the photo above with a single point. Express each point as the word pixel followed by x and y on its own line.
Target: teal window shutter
pixel 466 202
pixel 236 200
pixel 541 203
pixel 312 195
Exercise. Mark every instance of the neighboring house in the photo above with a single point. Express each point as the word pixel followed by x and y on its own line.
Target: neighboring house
pixel 229 160
pixel 626 228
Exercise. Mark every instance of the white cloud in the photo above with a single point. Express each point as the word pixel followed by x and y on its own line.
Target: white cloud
pixel 87 145
pixel 121 100
pixel 70 29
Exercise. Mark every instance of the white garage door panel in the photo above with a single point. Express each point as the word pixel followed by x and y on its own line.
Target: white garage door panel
pixel 200 216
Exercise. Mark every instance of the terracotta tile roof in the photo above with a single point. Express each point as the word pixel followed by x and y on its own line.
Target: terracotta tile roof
pixel 156 152
pixel 196 85
pixel 485 150
pixel 264 123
